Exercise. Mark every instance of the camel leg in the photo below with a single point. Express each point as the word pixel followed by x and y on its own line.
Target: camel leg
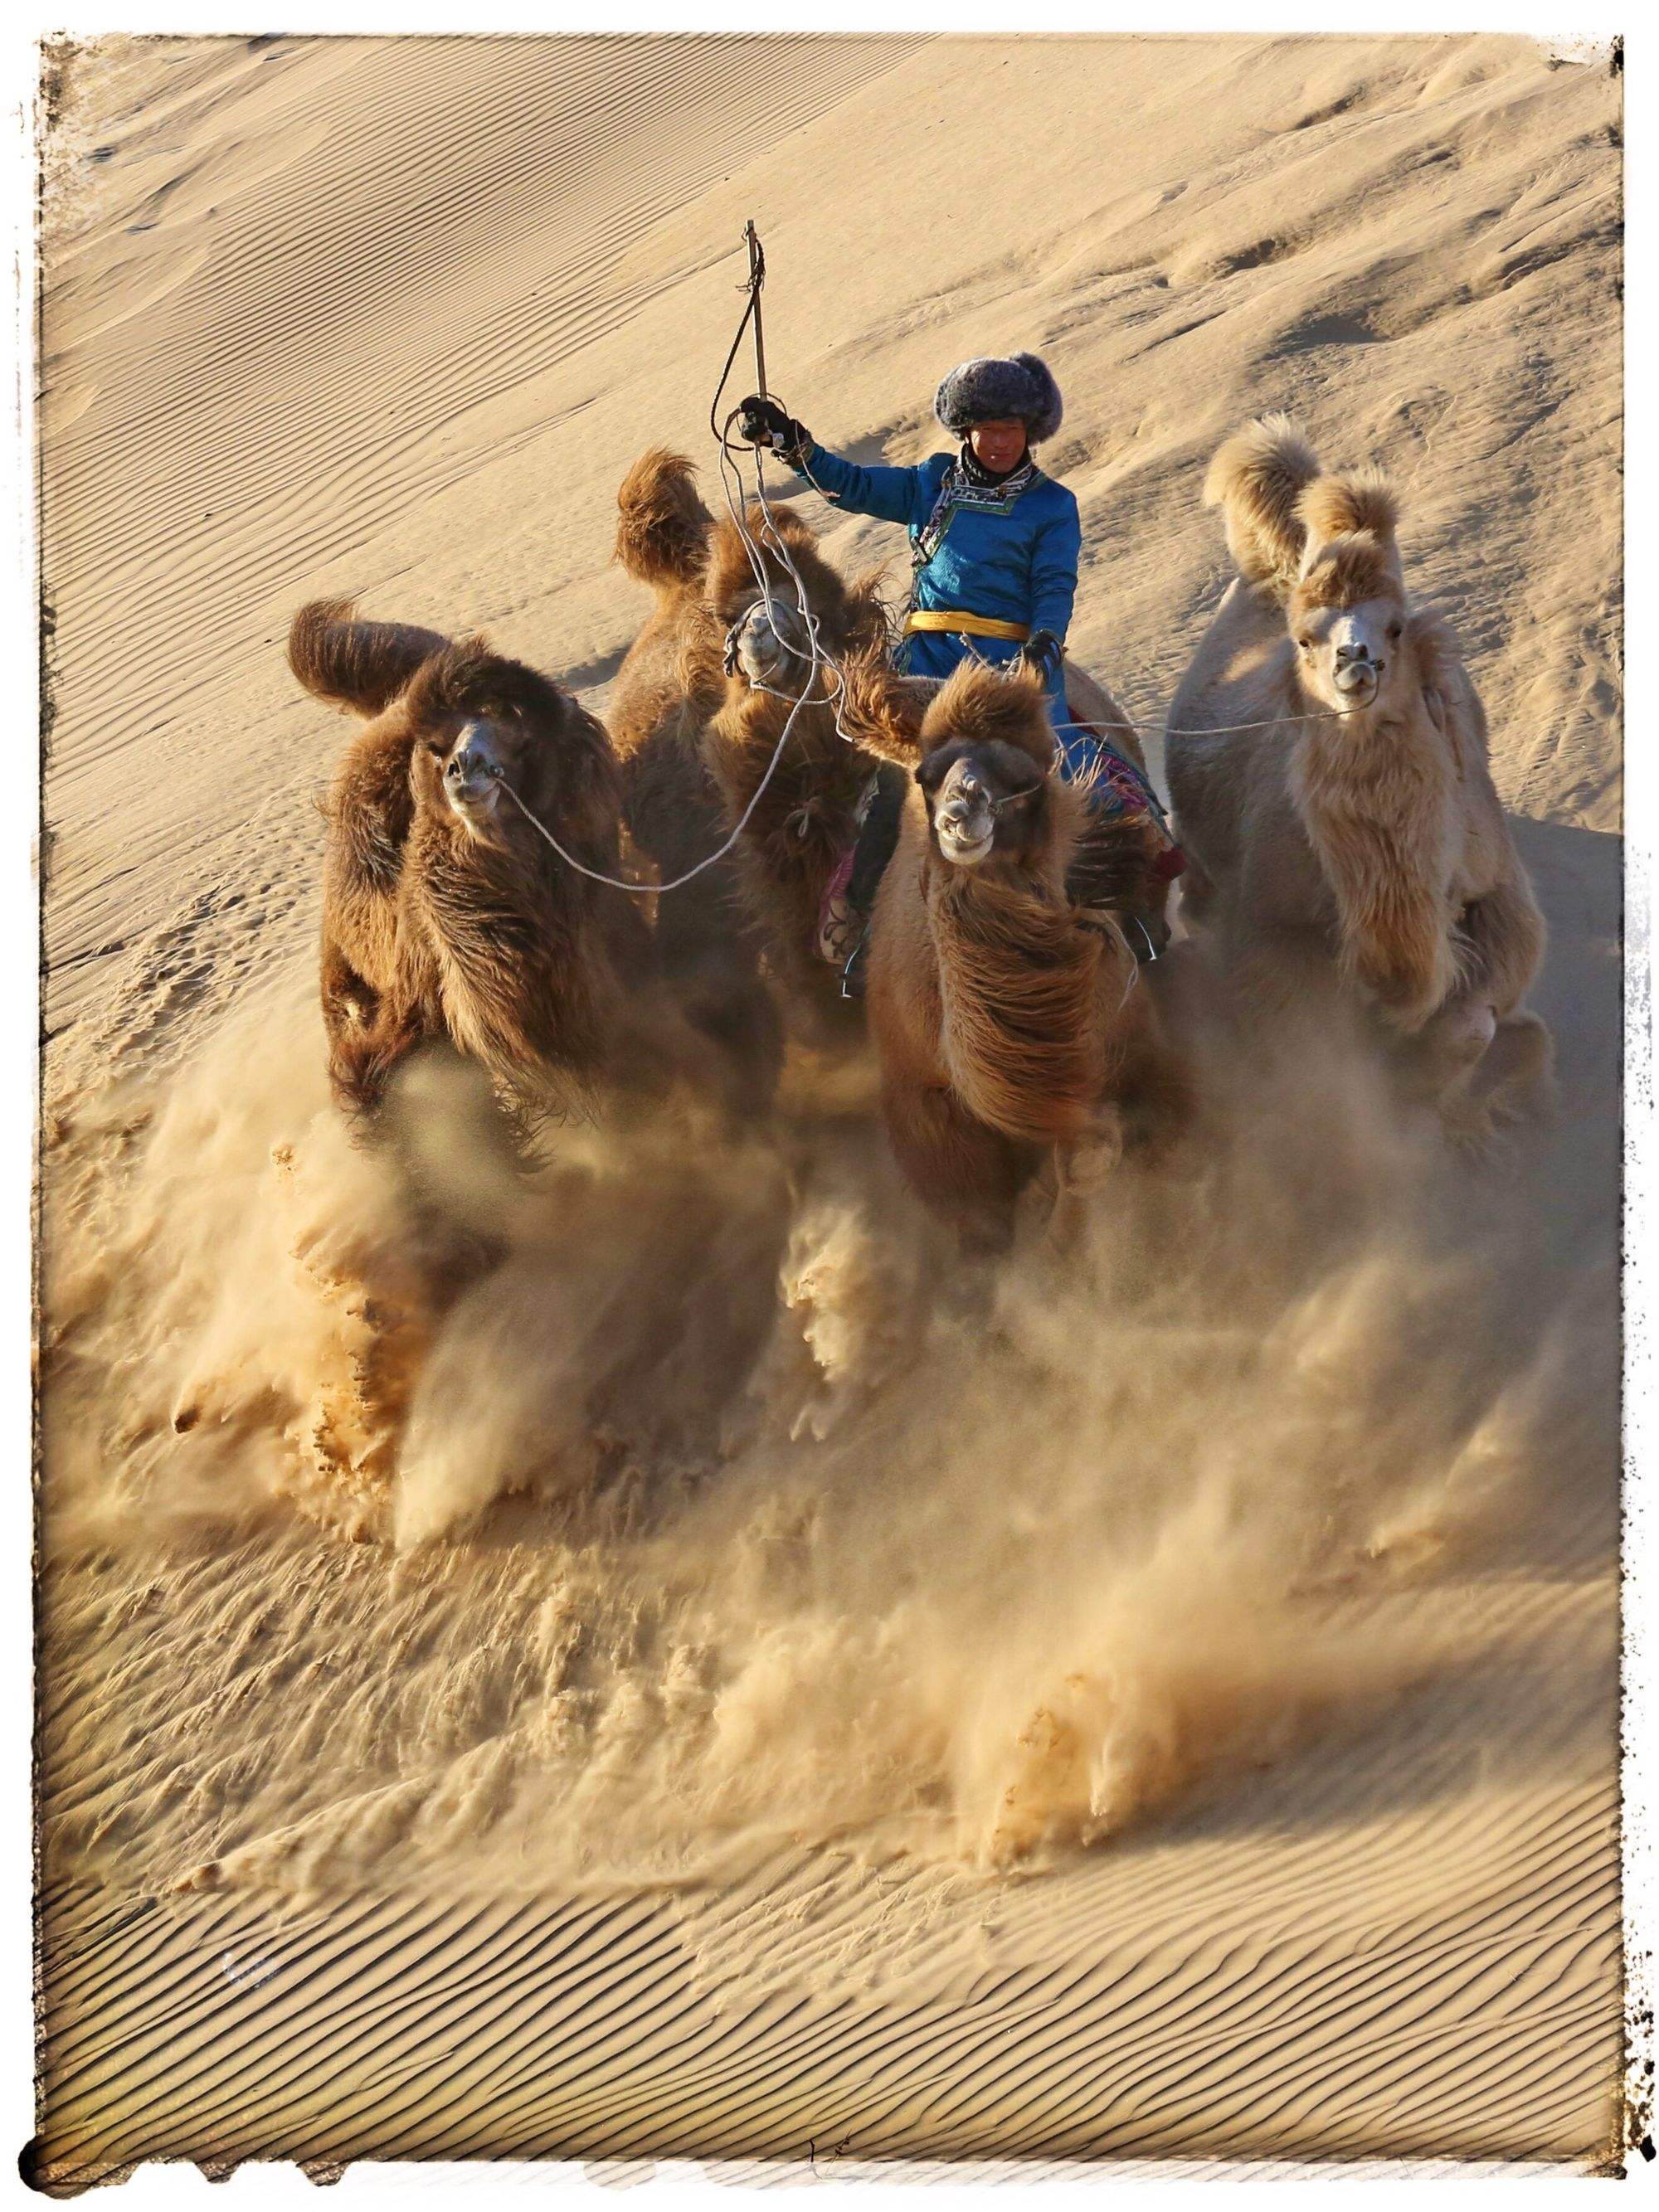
pixel 1286 979
pixel 1439 1060
pixel 1194 896
pixel 710 959
pixel 1478 1070
pixel 1191 995
pixel 1512 1081
pixel 347 999
pixel 1504 944
pixel 364 1053
pixel 1072 1177
pixel 968 1173
pixel 355 1025
pixel 1516 1080
pixel 736 1012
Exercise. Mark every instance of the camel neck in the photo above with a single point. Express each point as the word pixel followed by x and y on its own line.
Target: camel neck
pixel 1323 726
pixel 1037 881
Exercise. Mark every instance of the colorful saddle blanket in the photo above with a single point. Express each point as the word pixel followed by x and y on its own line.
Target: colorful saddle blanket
pixel 1113 786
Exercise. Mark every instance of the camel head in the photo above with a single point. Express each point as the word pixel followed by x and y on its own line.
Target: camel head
pixel 1347 610
pixel 767 642
pixel 769 646
pixel 985 770
pixel 980 745
pixel 486 727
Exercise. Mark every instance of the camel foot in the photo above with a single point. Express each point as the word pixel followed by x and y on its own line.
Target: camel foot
pixel 1086 1166
pixel 1511 1084
pixel 1438 1060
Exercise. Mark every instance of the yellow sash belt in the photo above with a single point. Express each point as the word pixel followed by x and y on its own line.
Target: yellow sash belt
pixel 967 625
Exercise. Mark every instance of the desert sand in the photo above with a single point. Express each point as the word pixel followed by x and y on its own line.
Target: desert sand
pixel 763 1708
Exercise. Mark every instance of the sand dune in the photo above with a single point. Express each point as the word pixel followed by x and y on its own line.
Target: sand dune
pixel 1170 1712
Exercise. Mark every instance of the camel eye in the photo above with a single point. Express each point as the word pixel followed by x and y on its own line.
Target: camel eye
pixel 1304 645
pixel 1396 631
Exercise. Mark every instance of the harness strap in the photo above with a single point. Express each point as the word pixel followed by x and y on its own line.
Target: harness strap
pixel 965 625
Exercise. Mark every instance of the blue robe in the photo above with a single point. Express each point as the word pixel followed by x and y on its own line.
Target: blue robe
pixel 1017 566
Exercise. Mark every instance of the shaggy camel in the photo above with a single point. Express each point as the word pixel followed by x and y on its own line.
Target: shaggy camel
pixel 445 912
pixel 669 687
pixel 1352 849
pixel 759 659
pixel 1010 1023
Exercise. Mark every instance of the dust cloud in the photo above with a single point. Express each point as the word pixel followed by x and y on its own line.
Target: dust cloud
pixel 685 1494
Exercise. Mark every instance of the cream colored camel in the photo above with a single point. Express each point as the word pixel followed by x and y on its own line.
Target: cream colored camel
pixel 1351 848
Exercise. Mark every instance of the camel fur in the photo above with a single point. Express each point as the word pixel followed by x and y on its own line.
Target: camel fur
pixel 803 813
pixel 751 644
pixel 661 705
pixel 1351 847
pixel 446 915
pixel 1012 1025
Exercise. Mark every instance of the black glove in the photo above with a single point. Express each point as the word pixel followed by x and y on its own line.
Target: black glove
pixel 763 423
pixel 1042 654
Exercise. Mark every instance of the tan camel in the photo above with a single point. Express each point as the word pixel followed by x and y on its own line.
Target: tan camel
pixel 445 915
pixel 662 702
pixel 1011 1025
pixel 1349 850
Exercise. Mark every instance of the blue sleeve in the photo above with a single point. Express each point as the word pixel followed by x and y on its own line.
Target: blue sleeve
pixel 1055 552
pixel 888 494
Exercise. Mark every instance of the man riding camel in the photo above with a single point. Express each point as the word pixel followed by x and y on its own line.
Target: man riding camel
pixel 993 548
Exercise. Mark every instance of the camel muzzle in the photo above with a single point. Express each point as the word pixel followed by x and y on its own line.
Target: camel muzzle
pixel 769 647
pixel 472 772
pixel 964 821
pixel 468 776
pixel 1356 675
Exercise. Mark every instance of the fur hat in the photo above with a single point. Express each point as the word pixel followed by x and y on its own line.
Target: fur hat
pixel 988 391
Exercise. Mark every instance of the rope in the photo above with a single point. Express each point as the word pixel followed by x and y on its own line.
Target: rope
pixel 817 658
pixel 648 890
pixel 1228 729
pixel 756 278
pixel 1215 730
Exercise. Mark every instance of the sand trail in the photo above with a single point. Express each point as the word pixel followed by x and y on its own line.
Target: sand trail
pixel 776 1693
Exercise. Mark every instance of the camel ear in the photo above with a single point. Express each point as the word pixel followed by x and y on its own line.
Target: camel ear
pixel 881 710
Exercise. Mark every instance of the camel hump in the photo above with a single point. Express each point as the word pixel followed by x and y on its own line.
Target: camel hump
pixel 1257 479
pixel 362 665
pixel 662 535
pixel 1362 499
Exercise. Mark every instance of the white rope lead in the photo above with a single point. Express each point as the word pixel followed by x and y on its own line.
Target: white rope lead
pixel 647 890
